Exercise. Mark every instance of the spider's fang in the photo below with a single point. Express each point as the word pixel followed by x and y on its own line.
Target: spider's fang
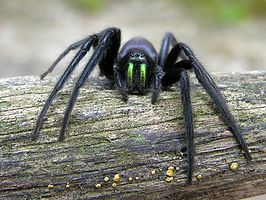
pixel 143 69
pixel 130 74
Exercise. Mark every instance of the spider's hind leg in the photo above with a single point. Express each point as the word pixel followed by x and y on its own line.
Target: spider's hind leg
pixel 70 48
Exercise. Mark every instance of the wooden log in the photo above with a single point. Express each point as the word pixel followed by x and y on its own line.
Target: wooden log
pixel 137 140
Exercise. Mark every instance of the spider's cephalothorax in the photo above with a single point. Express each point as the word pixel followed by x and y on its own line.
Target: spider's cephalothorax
pixel 138 68
pixel 137 62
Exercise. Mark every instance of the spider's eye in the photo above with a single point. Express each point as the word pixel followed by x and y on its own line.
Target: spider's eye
pixel 129 76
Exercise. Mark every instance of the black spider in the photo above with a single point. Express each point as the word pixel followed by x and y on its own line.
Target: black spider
pixel 138 68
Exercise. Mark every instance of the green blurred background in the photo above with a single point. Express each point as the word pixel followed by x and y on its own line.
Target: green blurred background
pixel 226 35
pixel 226 11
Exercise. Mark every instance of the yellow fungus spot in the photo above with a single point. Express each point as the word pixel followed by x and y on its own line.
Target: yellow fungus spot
pixel 153 172
pixel 199 176
pixel 114 185
pixel 67 185
pixel 170 172
pixel 106 179
pixel 98 185
pixel 116 178
pixel 169 179
pixel 50 186
pixel 137 178
pixel 234 166
pixel 130 179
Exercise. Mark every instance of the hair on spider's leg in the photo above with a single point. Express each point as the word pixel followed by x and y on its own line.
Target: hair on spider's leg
pixel 103 43
pixel 62 55
pixel 60 83
pixel 209 85
pixel 187 112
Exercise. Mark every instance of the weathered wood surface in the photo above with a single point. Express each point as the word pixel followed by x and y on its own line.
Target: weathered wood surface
pixel 107 137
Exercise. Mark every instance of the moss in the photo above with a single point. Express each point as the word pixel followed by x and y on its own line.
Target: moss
pixel 90 5
pixel 5 104
pixel 226 11
pixel 250 86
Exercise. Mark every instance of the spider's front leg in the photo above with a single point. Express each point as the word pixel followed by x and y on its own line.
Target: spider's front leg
pixel 174 72
pixel 60 83
pixel 211 88
pixel 105 43
pixel 120 83
pixel 102 43
pixel 178 73
pixel 187 111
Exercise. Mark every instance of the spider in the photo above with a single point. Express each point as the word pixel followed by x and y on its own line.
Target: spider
pixel 138 68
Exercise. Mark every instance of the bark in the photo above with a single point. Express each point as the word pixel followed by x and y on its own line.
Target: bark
pixel 136 140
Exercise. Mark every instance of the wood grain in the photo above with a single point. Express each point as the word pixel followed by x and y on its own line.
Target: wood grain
pixel 107 136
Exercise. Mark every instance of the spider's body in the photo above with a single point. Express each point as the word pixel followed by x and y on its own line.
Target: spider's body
pixel 137 62
pixel 137 67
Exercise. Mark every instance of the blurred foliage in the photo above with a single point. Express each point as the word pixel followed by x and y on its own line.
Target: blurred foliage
pixel 89 5
pixel 227 11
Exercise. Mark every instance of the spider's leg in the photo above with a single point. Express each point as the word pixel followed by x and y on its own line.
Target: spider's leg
pixel 120 83
pixel 71 47
pixel 103 43
pixel 157 84
pixel 175 71
pixel 166 61
pixel 106 62
pixel 187 112
pixel 60 83
pixel 178 73
pixel 172 74
pixel 172 68
pixel 110 68
pixel 209 85
pixel 169 39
